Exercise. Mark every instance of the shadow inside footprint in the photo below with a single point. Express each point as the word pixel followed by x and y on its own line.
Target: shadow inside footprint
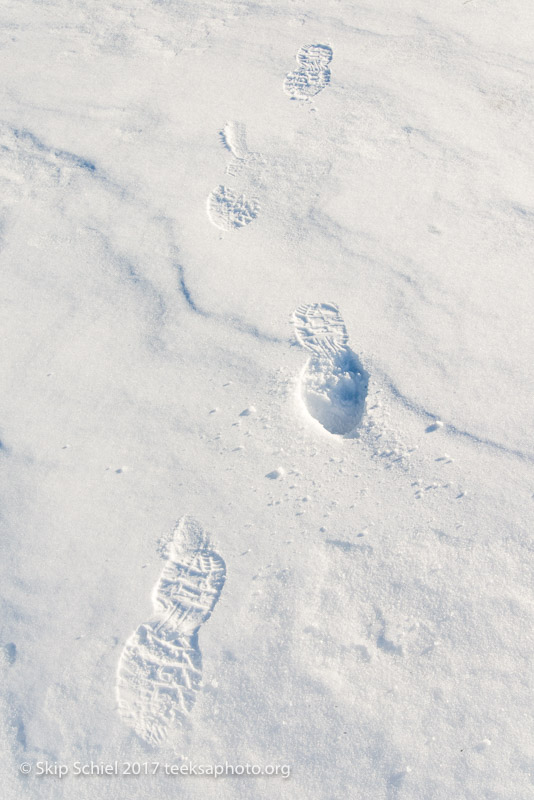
pixel 335 391
pixel 8 653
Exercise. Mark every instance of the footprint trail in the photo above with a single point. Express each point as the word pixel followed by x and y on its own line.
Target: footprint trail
pixel 313 74
pixel 333 383
pixel 160 668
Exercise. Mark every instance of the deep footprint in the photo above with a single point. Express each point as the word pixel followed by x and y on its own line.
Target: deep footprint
pixel 313 74
pixel 333 384
pixel 160 668
pixel 228 210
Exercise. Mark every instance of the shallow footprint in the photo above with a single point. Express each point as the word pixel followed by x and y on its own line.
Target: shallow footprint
pixel 191 581
pixel 234 139
pixel 314 56
pixel 333 383
pixel 228 210
pixel 159 675
pixel 313 73
pixel 303 83
pixel 160 668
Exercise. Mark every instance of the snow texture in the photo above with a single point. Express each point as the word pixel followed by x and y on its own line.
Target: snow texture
pixel 268 266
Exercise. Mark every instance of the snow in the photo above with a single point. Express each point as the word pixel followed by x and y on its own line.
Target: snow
pixel 184 186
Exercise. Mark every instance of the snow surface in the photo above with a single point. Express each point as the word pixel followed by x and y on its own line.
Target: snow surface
pixel 376 626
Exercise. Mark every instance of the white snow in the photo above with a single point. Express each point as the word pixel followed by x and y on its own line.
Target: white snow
pixel 189 189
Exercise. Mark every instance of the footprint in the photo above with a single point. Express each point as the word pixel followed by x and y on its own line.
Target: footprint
pixel 314 56
pixel 228 210
pixel 333 384
pixel 160 668
pixel 234 138
pixel 313 73
pixel 302 84
pixel 189 586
